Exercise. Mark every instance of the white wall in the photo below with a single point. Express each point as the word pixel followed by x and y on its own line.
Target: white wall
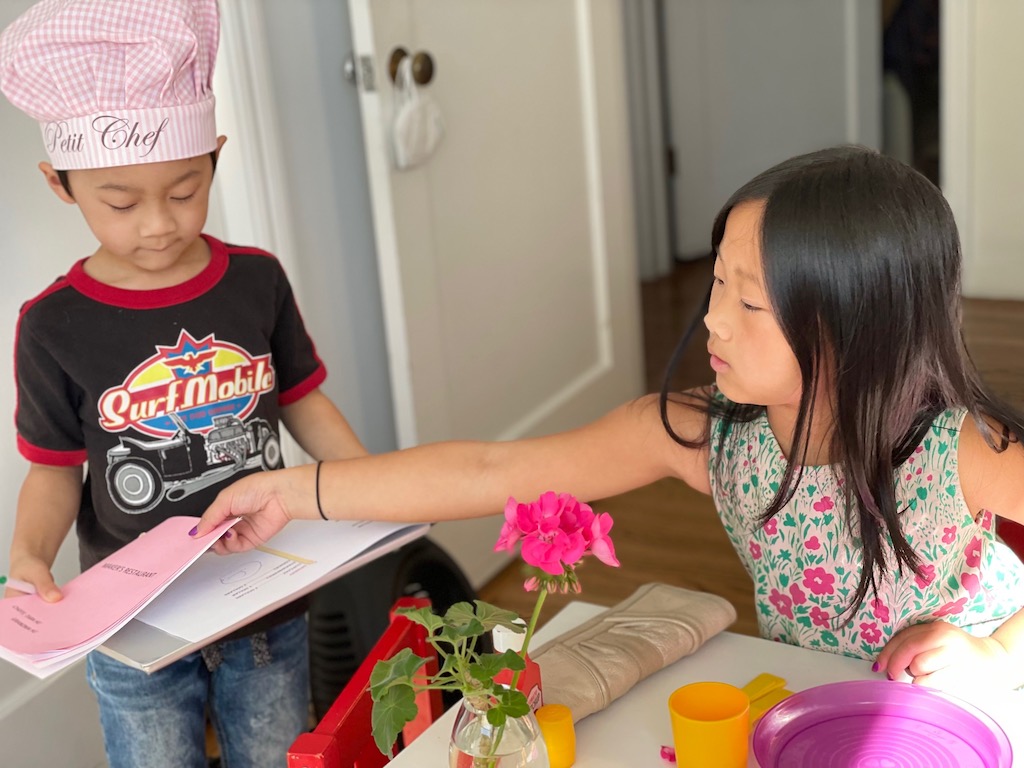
pixel 325 173
pixel 54 722
pixel 994 241
pixel 750 84
pixel 40 237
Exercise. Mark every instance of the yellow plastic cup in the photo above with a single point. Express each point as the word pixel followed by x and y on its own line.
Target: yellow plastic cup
pixel 710 725
pixel 555 722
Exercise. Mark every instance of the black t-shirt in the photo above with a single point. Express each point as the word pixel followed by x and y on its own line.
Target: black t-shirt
pixel 169 395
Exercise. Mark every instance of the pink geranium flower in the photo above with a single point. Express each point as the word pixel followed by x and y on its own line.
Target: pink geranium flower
pixel 949 535
pixel 555 533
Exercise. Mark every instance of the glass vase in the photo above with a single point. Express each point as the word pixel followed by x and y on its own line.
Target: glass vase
pixel 475 743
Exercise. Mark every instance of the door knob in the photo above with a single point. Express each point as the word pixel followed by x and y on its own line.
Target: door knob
pixel 422 65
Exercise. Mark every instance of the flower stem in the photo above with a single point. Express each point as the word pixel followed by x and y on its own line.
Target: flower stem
pixel 541 595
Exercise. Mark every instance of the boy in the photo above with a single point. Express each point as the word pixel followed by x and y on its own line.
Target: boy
pixel 165 360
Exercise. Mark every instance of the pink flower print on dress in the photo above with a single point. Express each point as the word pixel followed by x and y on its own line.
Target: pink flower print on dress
pixel 812 543
pixel 880 610
pixel 771 527
pixel 986 519
pixel 949 535
pixel 755 550
pixel 782 603
pixel 819 581
pixel 819 618
pixel 799 598
pixel 949 609
pixel 971 583
pixel 870 632
pixel 925 575
pixel 973 553
pixel 824 504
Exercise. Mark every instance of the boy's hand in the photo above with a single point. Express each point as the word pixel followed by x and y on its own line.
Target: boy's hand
pixel 940 655
pixel 37 573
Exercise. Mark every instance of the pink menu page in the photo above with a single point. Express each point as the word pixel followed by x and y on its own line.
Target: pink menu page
pixel 112 589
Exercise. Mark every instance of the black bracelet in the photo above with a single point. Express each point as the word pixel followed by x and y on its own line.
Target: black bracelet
pixel 318 507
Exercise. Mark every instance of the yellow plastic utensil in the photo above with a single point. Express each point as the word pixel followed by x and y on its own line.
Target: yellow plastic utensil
pixel 765 691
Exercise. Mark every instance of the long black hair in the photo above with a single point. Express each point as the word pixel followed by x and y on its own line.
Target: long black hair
pixel 861 260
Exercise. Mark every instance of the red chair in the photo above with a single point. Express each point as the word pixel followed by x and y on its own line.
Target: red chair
pixel 343 738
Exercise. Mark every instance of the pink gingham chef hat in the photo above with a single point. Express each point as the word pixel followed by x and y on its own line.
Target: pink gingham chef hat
pixel 115 82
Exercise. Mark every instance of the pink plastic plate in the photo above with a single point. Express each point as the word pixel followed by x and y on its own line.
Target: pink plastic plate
pixel 878 724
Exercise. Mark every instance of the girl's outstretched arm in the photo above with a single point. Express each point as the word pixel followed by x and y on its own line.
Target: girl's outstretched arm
pixel 939 654
pixel 623 450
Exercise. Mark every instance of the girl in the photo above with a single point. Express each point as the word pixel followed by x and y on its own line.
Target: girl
pixel 854 455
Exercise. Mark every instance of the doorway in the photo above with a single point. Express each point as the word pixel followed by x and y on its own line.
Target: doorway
pixel 742 86
pixel 910 84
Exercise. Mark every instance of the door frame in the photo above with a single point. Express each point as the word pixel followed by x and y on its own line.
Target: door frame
pixel 956 106
pixel 255 202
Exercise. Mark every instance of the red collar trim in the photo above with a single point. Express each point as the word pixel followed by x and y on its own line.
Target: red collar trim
pixel 160 297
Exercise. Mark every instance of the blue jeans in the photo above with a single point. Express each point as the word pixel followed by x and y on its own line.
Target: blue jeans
pixel 257 695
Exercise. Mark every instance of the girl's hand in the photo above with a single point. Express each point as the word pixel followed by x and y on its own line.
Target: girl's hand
pixel 259 500
pixel 940 655
pixel 37 573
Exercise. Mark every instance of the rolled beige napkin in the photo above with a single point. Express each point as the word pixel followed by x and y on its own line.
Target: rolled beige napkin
pixel 588 667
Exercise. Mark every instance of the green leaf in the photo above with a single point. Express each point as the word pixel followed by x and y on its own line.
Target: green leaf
pixel 390 714
pixel 490 664
pixel 514 703
pixel 396 671
pixel 456 633
pixel 496 716
pixel 423 616
pixel 491 616
pixel 922 493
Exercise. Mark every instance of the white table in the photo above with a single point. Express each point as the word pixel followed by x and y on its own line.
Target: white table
pixel 631 731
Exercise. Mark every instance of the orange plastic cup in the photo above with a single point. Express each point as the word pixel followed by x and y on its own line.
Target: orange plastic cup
pixel 555 722
pixel 710 725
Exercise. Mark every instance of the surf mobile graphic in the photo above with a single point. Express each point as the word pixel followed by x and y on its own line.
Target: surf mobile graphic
pixel 192 399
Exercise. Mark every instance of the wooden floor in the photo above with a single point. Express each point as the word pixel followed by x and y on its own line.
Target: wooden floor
pixel 666 532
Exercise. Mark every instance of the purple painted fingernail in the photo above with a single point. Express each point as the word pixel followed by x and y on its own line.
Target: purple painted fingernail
pixel 889 675
pixel 194 531
pixel 227 534
pixel 874 667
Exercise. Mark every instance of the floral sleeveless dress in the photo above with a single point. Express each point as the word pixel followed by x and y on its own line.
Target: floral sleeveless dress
pixel 806 563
